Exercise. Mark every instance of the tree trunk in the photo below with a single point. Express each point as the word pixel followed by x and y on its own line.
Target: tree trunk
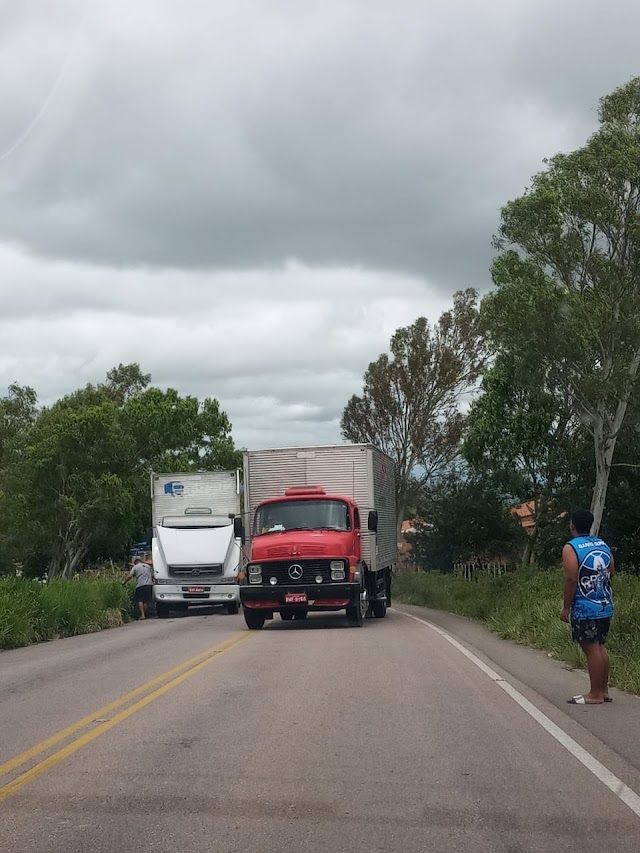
pixel 76 550
pixel 55 563
pixel 605 436
pixel 527 556
pixel 399 519
pixel 604 443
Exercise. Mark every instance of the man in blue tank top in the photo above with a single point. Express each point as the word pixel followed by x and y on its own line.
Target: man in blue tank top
pixel 588 602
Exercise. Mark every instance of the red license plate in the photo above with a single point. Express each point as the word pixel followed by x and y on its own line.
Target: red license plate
pixel 296 598
pixel 195 589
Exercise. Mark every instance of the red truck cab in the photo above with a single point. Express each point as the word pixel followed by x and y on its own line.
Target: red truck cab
pixel 306 555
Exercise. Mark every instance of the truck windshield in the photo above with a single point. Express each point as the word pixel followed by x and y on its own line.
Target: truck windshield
pixel 302 515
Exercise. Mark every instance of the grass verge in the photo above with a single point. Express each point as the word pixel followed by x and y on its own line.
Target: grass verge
pixel 31 612
pixel 524 606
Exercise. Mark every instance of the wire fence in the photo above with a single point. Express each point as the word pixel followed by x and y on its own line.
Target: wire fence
pixel 474 569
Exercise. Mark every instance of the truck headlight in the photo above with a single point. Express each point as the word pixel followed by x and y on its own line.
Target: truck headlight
pixel 253 578
pixel 337 570
pixel 255 569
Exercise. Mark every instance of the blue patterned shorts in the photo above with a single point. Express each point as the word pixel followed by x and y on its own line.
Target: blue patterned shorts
pixel 590 630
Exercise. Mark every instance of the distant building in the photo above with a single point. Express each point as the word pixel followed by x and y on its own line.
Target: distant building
pixel 526 515
pixel 405 557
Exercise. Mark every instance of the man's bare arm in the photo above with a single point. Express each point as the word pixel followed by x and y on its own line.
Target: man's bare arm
pixel 570 565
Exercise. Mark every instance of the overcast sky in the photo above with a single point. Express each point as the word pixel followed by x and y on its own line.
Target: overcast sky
pixel 249 197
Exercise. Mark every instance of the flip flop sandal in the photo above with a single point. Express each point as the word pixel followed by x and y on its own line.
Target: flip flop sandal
pixel 608 699
pixel 580 700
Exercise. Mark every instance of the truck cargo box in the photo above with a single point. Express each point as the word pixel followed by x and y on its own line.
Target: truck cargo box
pixel 357 471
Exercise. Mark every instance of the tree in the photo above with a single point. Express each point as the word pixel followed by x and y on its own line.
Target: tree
pixel 80 483
pixel 467 519
pixel 126 381
pixel 568 288
pixel 524 438
pixel 409 407
pixel 17 414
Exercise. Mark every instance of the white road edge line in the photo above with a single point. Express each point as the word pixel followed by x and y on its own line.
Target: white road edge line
pixel 616 785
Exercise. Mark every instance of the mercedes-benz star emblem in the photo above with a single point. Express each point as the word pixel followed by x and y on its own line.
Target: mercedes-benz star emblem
pixel 295 572
pixel 195 571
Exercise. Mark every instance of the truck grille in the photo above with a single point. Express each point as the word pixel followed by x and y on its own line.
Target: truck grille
pixel 310 568
pixel 195 573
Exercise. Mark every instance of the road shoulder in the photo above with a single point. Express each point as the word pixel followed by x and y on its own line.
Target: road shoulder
pixel 615 725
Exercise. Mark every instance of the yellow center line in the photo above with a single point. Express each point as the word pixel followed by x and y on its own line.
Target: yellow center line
pixel 63 734
pixel 83 740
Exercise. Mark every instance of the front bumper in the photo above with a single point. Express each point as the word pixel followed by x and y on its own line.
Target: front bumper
pixel 327 596
pixel 210 594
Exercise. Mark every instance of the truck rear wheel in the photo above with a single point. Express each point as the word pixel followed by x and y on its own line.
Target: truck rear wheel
pixel 379 609
pixel 233 608
pixel 254 619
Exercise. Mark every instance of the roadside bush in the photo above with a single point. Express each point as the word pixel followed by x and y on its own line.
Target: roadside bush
pixel 524 606
pixel 32 612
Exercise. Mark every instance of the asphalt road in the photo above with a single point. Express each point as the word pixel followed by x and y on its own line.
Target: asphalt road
pixel 304 737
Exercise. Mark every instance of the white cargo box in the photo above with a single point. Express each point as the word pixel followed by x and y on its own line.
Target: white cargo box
pixel 357 471
pixel 214 493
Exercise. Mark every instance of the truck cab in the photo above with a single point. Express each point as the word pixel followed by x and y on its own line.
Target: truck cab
pixel 197 539
pixel 306 554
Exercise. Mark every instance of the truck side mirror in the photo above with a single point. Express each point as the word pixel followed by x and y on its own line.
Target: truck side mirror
pixel 372 522
pixel 238 529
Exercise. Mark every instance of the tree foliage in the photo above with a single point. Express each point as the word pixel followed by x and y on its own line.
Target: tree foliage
pixel 468 518
pixel 75 478
pixel 568 286
pixel 409 406
pixel 527 439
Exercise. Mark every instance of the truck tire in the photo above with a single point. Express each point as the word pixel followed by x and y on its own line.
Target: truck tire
pixel 379 609
pixel 255 619
pixel 301 615
pixel 357 612
pixel 355 617
pixel 286 615
pixel 162 611
pixel 233 609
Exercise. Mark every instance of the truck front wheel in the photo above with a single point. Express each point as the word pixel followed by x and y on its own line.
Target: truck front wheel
pixel 357 612
pixel 232 608
pixel 254 619
pixel 162 611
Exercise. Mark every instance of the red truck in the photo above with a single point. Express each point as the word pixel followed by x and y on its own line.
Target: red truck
pixel 322 532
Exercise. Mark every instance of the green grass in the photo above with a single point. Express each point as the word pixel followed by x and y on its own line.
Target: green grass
pixel 524 606
pixel 31 612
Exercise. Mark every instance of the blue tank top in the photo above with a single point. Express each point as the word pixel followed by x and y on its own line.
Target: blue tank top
pixel 593 598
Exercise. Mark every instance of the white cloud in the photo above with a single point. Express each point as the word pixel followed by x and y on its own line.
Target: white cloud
pixel 282 349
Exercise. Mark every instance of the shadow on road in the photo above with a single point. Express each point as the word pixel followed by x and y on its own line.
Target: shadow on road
pixel 316 622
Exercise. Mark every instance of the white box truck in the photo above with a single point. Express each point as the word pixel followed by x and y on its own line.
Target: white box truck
pixel 322 527
pixel 197 539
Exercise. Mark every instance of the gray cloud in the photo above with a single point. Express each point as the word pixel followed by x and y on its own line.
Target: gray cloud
pixel 355 134
pixel 249 198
